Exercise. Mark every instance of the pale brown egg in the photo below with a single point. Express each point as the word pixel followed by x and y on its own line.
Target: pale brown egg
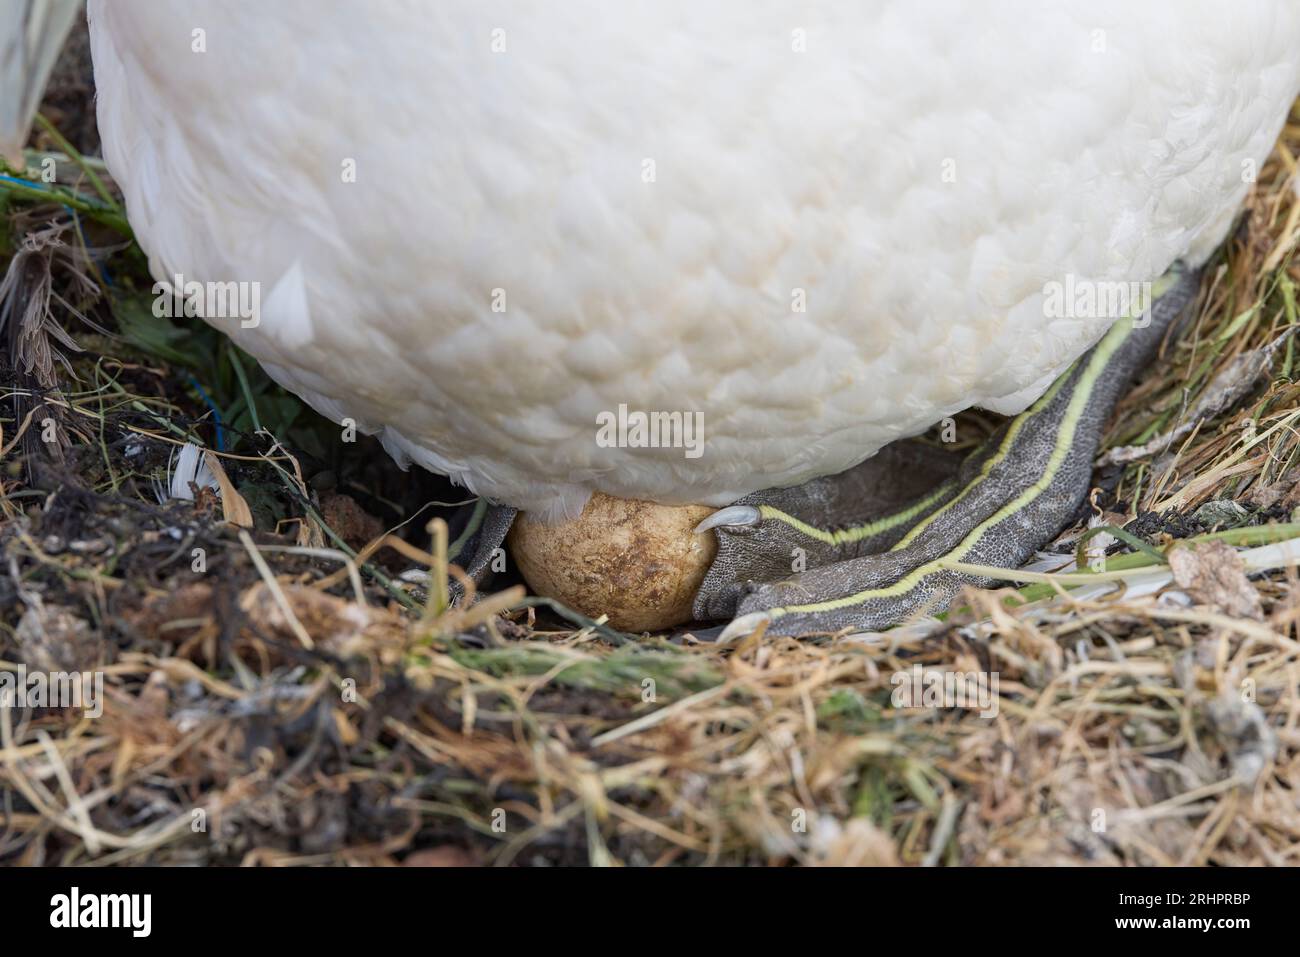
pixel 637 562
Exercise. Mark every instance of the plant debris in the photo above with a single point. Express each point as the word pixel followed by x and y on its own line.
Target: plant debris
pixel 1214 575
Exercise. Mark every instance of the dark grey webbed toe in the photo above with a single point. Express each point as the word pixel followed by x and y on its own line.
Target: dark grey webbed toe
pixel 778 533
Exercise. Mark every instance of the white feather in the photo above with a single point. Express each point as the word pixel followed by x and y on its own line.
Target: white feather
pixel 186 471
pixel 31 34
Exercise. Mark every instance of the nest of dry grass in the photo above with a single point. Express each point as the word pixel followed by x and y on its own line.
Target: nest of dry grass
pixel 293 702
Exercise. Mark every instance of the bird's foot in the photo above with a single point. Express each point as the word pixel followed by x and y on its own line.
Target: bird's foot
pixel 1010 497
pixel 770 535
pixel 480 547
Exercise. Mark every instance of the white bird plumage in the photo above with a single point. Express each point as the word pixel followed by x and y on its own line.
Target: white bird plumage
pixel 919 171
pixel 30 38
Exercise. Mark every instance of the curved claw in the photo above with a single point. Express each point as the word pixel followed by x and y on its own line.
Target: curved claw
pixel 733 516
pixel 744 625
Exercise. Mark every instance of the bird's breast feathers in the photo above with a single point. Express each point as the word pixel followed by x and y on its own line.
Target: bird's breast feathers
pixel 813 228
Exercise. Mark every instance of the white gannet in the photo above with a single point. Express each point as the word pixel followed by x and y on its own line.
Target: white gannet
pixel 482 229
